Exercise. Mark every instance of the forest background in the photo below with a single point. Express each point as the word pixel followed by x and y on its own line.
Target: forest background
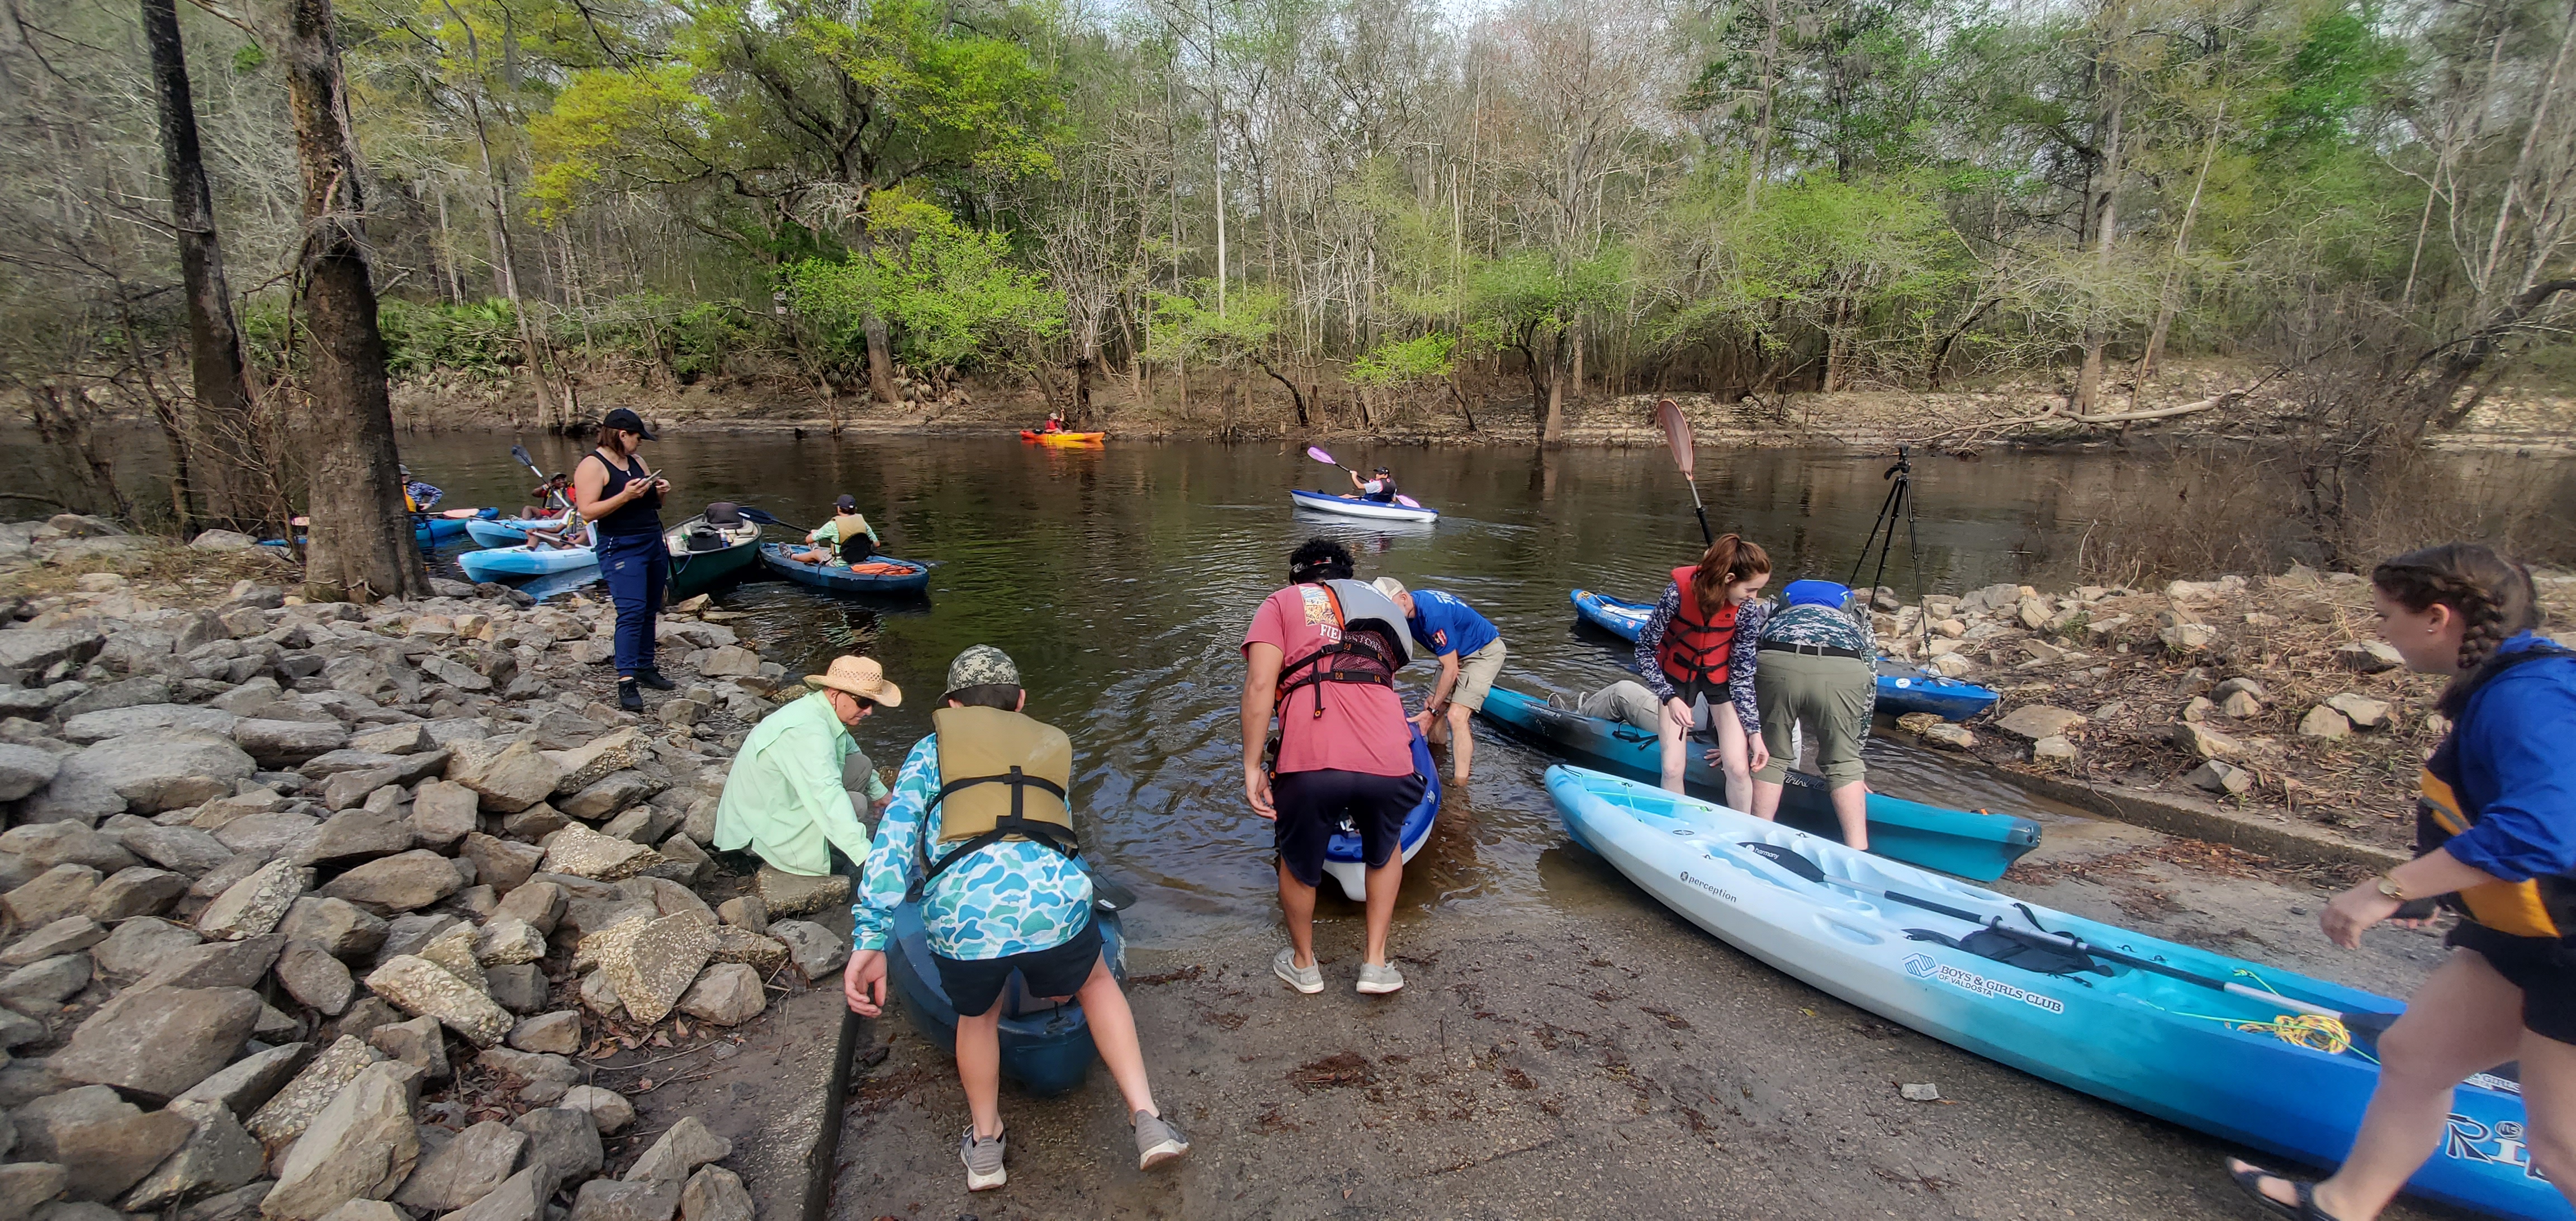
pixel 1312 212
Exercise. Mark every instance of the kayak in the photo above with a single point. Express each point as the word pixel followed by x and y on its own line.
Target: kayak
pixel 1353 506
pixel 2248 1070
pixel 1063 438
pixel 428 529
pixel 1901 688
pixel 882 575
pixel 1046 1047
pixel 703 554
pixel 492 563
pixel 508 531
pixel 1969 843
pixel 1343 859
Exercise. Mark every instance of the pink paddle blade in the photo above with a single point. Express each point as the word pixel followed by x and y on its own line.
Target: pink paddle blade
pixel 1317 453
pixel 1407 501
pixel 1677 434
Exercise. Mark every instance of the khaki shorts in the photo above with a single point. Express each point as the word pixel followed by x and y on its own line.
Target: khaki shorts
pixel 1476 674
pixel 1830 696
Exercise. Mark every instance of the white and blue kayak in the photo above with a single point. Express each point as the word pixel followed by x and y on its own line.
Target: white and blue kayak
pixel 2090 1006
pixel 1343 859
pixel 508 531
pixel 1357 506
pixel 524 560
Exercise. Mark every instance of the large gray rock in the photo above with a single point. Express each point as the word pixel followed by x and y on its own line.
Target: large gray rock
pixel 499 863
pixel 338 761
pixel 25 769
pixel 253 906
pixel 715 1194
pixel 266 836
pixel 40 987
pixel 608 795
pixel 557 1033
pixel 539 904
pixel 314 978
pixel 506 941
pixel 508 779
pixel 239 1204
pixel 726 994
pixel 582 765
pixel 341 928
pixel 413 933
pixel 584 853
pixel 282 743
pixel 52 895
pixel 163 769
pixel 816 950
pixel 400 883
pixel 420 1042
pixel 609 1110
pixel 651 963
pixel 26 1185
pixel 545 1077
pixel 127 694
pixel 46 845
pixel 521 1197
pixel 108 723
pixel 154 1044
pixel 245 1085
pixel 139 891
pixel 408 738
pixel 107 1143
pixel 131 951
pixel 183 850
pixel 422 988
pixel 353 836
pixel 519 989
pixel 681 1150
pixel 32 650
pixel 219 1156
pixel 610 1200
pixel 215 964
pixel 563 1144
pixel 2204 742
pixel 2036 721
pixel 443 813
pixel 360 1147
pixel 453 952
pixel 469 1167
pixel 796 894
pixel 69 935
pixel 284 1117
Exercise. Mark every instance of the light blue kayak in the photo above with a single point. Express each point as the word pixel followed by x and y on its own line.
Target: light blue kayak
pixel 1901 688
pixel 2243 1068
pixel 1046 1047
pixel 493 563
pixel 1969 843
pixel 508 531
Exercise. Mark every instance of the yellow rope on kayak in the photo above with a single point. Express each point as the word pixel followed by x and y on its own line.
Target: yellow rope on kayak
pixel 2316 1032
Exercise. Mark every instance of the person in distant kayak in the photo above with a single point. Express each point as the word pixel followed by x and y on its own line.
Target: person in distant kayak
pixel 553 498
pixel 1687 654
pixel 419 497
pixel 1054 422
pixel 1379 486
pixel 847 538
pixel 1321 657
pixel 621 498
pixel 1815 668
pixel 787 797
pixel 981 834
pixel 1471 656
pixel 1625 701
pixel 2496 833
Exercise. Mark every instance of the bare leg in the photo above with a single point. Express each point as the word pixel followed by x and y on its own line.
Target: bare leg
pixel 1766 800
pixel 1462 750
pixel 979 1068
pixel 2549 1108
pixel 1734 756
pixel 1851 808
pixel 1381 886
pixel 1676 747
pixel 1113 1028
pixel 2464 1018
pixel 1297 904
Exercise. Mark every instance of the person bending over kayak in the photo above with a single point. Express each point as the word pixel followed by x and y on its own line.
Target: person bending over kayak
pixel 785 797
pixel 980 833
pixel 1379 486
pixel 2496 833
pixel 1816 669
pixel 1322 656
pixel 1687 654
pixel 1625 701
pixel 1471 655
pixel 847 538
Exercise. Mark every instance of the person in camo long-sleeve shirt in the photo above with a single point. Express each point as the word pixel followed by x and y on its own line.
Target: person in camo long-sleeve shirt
pixel 1689 657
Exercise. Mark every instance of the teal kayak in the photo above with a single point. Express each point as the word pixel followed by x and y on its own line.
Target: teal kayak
pixel 523 561
pixel 2054 995
pixel 1901 688
pixel 1969 843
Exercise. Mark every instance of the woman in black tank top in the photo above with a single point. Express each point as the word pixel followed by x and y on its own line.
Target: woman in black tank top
pixel 622 499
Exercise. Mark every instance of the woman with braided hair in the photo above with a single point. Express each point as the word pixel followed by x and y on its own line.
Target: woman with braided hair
pixel 2496 833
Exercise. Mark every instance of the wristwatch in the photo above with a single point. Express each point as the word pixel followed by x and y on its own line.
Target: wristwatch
pixel 2388 886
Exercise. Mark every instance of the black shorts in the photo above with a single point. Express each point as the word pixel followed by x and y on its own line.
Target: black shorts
pixel 1313 805
pixel 974 984
pixel 2543 967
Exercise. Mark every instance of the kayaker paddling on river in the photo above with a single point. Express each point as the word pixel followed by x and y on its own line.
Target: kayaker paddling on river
pixel 2496 825
pixel 1379 486
pixel 981 834
pixel 621 498
pixel 1471 656
pixel 1688 655
pixel 1815 669
pixel 847 538
pixel 1322 655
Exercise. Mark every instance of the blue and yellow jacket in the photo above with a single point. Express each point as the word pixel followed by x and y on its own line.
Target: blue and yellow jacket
pixel 2500 792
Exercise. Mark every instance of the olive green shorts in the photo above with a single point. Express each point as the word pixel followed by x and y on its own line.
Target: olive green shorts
pixel 1476 674
pixel 1830 696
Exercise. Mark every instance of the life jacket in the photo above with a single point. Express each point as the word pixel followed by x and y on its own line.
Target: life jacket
pixel 1003 776
pixel 849 525
pixel 2537 907
pixel 1367 643
pixel 1696 645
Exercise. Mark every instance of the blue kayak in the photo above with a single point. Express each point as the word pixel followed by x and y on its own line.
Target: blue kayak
pixel 508 531
pixel 1046 1047
pixel 890 575
pixel 524 560
pixel 427 529
pixel 2261 1070
pixel 1969 843
pixel 1343 861
pixel 1901 688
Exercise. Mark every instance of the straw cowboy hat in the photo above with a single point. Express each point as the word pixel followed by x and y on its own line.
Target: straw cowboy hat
pixel 859 676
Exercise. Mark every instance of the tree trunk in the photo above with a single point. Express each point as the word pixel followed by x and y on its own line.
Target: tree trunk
pixel 2182 246
pixel 1554 431
pixel 362 546
pixel 880 354
pixel 223 427
pixel 507 253
pixel 1082 392
pixel 2088 383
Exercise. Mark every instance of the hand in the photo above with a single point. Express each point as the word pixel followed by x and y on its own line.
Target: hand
pixel 663 486
pixel 1757 752
pixel 2353 911
pixel 1422 720
pixel 1256 789
pixel 863 982
pixel 1678 713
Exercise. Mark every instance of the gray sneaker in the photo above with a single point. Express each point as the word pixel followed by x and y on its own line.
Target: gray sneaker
pixel 983 1160
pixel 1309 979
pixel 1376 980
pixel 1157 1141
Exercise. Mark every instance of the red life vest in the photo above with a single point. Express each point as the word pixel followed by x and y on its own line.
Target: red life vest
pixel 1696 646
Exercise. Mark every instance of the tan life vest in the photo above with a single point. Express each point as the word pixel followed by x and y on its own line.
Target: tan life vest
pixel 847 526
pixel 1002 776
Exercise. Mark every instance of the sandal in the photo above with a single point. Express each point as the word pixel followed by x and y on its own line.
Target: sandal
pixel 2250 1181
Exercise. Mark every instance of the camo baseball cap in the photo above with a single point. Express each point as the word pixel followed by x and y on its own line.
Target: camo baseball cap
pixel 982 666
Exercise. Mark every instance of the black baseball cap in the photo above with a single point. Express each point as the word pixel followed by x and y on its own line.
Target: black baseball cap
pixel 846 504
pixel 625 418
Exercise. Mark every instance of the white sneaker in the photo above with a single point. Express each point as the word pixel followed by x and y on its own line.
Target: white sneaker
pixel 1376 980
pixel 1157 1141
pixel 983 1160
pixel 1307 979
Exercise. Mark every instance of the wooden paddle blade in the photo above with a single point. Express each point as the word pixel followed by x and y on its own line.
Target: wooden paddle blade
pixel 1677 434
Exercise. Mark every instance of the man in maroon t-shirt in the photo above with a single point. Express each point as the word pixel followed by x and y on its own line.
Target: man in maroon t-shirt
pixel 1323 654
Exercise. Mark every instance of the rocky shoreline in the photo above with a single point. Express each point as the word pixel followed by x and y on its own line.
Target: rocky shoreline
pixel 329 911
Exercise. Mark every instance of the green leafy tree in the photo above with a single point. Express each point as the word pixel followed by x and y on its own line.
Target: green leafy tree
pixel 952 293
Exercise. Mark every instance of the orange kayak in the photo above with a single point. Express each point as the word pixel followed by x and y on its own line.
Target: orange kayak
pixel 1063 438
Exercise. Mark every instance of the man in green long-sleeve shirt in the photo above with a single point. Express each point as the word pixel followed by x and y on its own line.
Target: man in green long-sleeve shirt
pixel 784 797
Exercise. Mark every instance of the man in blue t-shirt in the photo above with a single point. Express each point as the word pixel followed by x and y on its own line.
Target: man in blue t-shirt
pixel 1471 654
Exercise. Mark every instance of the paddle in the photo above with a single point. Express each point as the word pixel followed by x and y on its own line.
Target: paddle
pixel 1110 895
pixel 1317 453
pixel 1677 435
pixel 2366 1025
pixel 520 452
pixel 761 516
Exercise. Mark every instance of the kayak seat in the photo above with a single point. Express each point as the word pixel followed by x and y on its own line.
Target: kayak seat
pixel 704 538
pixel 2012 951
